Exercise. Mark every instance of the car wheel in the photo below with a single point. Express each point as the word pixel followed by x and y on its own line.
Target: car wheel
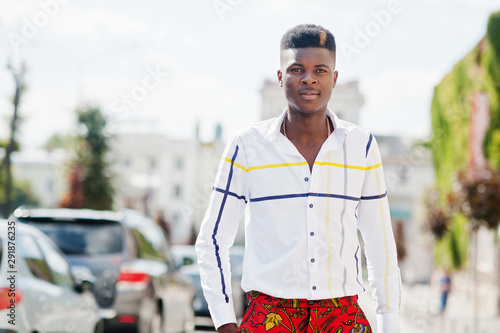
pixel 99 327
pixel 156 325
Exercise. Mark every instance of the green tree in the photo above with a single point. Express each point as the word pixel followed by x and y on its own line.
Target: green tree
pixel 59 141
pixel 90 174
pixel 8 184
pixel 21 194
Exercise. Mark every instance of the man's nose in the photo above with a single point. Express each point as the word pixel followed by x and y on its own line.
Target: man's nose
pixel 308 79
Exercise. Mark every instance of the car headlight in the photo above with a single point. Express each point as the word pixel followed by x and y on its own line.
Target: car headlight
pixel 197 303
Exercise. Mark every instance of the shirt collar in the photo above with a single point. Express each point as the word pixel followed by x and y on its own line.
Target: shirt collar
pixel 336 139
pixel 333 142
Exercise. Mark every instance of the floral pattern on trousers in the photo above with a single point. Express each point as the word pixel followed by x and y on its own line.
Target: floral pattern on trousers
pixel 277 315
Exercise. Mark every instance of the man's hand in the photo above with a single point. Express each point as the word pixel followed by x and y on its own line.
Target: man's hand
pixel 228 328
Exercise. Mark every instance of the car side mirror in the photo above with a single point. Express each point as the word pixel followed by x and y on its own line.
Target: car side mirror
pixel 83 277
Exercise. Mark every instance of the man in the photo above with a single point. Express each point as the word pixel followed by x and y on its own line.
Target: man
pixel 308 181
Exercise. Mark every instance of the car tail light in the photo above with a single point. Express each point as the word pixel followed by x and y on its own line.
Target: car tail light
pixel 9 296
pixel 132 281
pixel 127 319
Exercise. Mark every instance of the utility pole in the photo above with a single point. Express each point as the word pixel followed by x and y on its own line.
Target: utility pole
pixel 18 75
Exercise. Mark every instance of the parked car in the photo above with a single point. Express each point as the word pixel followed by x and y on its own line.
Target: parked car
pixel 38 291
pixel 138 286
pixel 185 258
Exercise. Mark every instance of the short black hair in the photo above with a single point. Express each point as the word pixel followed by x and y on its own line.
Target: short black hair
pixel 308 35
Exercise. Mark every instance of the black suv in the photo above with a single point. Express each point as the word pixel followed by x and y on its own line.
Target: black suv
pixel 138 286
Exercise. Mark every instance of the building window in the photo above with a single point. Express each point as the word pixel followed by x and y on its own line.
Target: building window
pixel 404 174
pixel 152 165
pixel 177 191
pixel 50 186
pixel 179 163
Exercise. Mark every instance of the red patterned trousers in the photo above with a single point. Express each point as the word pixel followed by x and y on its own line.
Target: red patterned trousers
pixel 278 315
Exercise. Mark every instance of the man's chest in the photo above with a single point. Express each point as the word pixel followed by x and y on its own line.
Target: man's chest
pixel 333 173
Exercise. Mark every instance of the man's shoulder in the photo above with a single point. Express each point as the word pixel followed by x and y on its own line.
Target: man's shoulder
pixel 355 131
pixel 257 130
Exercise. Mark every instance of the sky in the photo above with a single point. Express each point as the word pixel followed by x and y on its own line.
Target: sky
pixel 165 66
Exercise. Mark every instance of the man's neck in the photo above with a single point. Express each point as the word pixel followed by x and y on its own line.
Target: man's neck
pixel 306 128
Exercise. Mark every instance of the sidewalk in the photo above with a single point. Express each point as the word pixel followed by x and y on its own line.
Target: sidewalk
pixel 420 310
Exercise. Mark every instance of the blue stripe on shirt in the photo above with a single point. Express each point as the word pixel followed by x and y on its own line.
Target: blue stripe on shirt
pixel 372 197
pixel 304 195
pixel 357 269
pixel 240 197
pixel 368 145
pixel 217 255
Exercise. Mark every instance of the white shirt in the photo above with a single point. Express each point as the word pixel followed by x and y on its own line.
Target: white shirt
pixel 300 227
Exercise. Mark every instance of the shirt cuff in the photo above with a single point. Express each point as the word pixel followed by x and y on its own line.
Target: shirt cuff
pixel 222 314
pixel 388 323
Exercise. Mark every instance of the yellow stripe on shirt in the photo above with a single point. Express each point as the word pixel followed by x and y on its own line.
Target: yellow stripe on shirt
pixel 281 165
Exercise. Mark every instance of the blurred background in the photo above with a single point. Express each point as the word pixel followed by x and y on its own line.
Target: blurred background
pixel 129 105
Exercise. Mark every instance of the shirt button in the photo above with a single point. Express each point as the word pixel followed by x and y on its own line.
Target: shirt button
pixel 312 233
pixel 311 205
pixel 310 302
pixel 314 287
pixel 312 260
pixel 306 179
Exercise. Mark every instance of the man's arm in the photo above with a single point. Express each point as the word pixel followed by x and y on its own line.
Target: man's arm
pixel 217 232
pixel 374 222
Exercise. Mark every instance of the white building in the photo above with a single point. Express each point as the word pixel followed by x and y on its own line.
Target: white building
pixel 45 171
pixel 409 176
pixel 155 175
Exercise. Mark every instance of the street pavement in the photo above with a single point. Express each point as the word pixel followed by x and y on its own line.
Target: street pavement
pixel 420 309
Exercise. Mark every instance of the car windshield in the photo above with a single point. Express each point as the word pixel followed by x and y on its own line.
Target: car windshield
pixel 83 238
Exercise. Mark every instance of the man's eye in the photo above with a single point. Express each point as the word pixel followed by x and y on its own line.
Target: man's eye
pixel 321 71
pixel 295 70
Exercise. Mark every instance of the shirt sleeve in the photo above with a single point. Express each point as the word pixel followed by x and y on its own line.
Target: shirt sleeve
pixel 218 229
pixel 374 223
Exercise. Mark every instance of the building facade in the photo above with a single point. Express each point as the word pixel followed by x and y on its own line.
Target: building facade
pixel 45 172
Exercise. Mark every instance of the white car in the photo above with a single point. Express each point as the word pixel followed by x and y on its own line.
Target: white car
pixel 137 286
pixel 38 292
pixel 185 258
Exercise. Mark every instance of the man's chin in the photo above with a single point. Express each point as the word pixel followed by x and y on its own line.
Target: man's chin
pixel 307 110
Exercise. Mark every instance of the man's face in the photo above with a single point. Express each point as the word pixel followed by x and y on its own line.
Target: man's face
pixel 308 76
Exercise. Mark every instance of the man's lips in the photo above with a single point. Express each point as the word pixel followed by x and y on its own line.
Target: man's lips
pixel 309 94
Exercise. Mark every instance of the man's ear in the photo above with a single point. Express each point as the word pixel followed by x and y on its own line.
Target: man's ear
pixel 280 77
pixel 335 77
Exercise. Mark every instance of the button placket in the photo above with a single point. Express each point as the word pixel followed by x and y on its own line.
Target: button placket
pixel 312 237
